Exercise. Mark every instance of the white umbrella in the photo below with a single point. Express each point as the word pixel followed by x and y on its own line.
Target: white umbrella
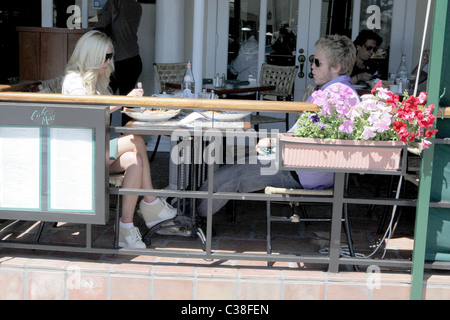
pixel 427 19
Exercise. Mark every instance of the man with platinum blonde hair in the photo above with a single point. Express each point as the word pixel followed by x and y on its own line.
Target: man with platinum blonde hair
pixel 333 63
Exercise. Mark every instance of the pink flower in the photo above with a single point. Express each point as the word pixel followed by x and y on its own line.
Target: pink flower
pixel 384 94
pixel 320 98
pixel 423 97
pixel 383 124
pixel 379 115
pixel 368 133
pixel 369 105
pixel 425 144
pixel 342 109
pixel 347 126
pixel 354 112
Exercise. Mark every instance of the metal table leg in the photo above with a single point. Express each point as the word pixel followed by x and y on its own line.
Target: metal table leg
pixel 336 222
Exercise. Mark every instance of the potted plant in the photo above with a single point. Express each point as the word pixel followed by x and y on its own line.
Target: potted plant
pixel 364 135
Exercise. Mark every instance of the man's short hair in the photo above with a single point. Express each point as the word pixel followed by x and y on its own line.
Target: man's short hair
pixel 339 51
pixel 365 35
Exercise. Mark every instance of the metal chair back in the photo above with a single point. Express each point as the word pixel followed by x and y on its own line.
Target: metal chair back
pixel 283 77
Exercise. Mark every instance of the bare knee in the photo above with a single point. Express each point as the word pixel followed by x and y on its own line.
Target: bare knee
pixel 133 160
pixel 139 143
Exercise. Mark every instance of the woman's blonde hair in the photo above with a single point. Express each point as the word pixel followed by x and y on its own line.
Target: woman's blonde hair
pixel 88 58
pixel 339 51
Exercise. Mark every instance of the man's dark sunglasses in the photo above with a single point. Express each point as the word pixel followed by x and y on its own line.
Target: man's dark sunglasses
pixel 370 48
pixel 317 63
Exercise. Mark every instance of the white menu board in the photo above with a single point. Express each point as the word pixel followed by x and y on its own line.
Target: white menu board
pixel 20 168
pixel 71 168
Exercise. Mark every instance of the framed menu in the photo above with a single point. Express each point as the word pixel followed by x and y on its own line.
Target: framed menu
pixel 71 150
pixel 20 167
pixel 54 162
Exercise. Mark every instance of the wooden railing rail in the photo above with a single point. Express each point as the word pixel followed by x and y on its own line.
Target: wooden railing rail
pixel 171 103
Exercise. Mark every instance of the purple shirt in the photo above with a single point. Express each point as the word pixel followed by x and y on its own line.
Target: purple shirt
pixel 313 179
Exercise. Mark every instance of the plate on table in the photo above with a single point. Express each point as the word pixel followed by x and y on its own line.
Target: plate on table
pixel 151 115
pixel 225 115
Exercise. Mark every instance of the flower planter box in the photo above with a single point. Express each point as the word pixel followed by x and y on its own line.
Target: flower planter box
pixel 340 154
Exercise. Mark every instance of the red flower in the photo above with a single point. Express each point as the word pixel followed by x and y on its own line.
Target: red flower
pixel 411 104
pixel 431 133
pixel 419 115
pixel 413 136
pixel 428 122
pixel 393 100
pixel 398 125
pixel 378 85
pixel 430 108
pixel 404 137
pixel 401 113
pixel 412 116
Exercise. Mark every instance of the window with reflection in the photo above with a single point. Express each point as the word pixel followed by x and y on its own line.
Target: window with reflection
pixel 62 12
pixel 280 39
pixel 243 40
pixel 337 17
pixel 281 36
pixel 376 15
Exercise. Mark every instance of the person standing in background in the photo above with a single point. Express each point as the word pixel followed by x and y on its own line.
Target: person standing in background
pixel 120 19
pixel 245 66
pixel 286 41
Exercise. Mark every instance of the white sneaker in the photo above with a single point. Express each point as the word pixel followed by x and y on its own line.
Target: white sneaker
pixel 156 213
pixel 130 238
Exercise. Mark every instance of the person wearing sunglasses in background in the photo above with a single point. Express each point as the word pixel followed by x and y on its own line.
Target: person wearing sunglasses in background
pixel 334 60
pixel 367 44
pixel 87 73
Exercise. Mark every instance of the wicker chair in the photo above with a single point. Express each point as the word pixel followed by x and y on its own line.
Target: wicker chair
pixel 169 72
pixel 283 77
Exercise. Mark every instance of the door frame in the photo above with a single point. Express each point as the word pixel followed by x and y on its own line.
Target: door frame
pixel 307 10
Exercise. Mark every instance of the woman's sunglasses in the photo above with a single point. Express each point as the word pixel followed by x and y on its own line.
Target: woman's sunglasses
pixel 109 56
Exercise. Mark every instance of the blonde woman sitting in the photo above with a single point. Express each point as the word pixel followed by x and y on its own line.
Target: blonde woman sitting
pixel 87 73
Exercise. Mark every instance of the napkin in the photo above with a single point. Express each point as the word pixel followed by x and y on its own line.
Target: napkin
pixel 191 117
